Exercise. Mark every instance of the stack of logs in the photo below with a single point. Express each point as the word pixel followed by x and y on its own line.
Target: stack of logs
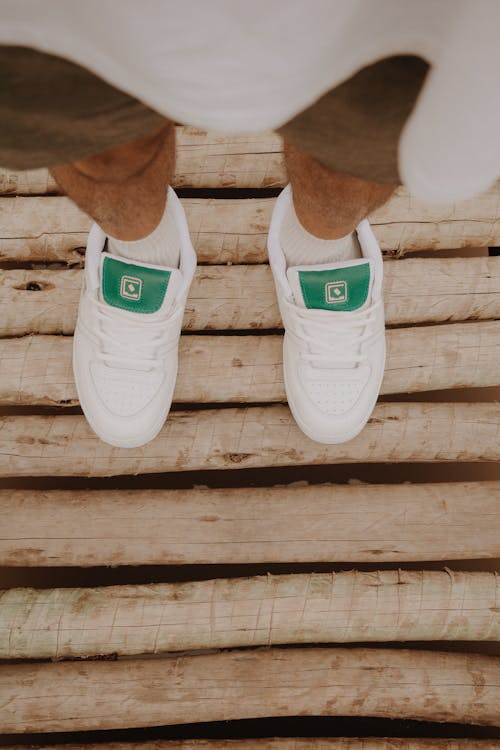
pixel 250 645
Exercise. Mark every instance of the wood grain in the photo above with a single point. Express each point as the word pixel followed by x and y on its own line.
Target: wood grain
pixel 290 524
pixel 52 228
pixel 38 369
pixel 391 683
pixel 353 606
pixel 203 160
pixel 244 298
pixel 249 437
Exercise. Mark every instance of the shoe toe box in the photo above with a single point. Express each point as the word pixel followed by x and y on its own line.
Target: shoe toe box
pixel 332 407
pixel 334 397
pixel 124 408
pixel 124 394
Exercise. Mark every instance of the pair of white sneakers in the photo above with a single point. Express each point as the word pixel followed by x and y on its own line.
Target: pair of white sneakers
pixel 129 323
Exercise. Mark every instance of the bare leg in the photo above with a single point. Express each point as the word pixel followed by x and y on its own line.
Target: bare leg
pixel 124 188
pixel 327 204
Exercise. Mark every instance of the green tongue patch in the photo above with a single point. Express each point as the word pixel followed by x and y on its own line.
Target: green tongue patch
pixel 131 287
pixel 343 289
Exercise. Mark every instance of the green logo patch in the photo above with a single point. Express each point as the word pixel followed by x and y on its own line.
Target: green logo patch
pixel 343 289
pixel 133 287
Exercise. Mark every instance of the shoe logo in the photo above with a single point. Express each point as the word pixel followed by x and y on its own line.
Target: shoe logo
pixel 336 291
pixel 131 287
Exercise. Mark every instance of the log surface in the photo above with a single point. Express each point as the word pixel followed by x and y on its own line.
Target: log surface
pixel 249 437
pixel 203 160
pixel 317 523
pixel 353 606
pixel 391 683
pixel 235 230
pixel 243 297
pixel 38 369
pixel 282 524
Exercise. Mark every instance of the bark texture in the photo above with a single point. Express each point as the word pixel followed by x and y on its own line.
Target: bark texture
pixel 353 606
pixel 235 438
pixel 243 297
pixel 52 228
pixel 425 685
pixel 38 369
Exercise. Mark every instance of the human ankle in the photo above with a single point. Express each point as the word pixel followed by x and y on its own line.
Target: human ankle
pixel 329 204
pixel 330 223
pixel 302 247
pixel 126 201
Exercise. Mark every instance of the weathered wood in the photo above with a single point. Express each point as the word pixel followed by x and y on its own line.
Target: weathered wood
pixel 51 228
pixel 392 683
pixel 319 523
pixel 249 437
pixel 38 369
pixel 222 231
pixel 36 229
pixel 243 297
pixel 342 523
pixel 384 605
pixel 212 160
pixel 203 160
pixel 27 182
pixel 405 224
pixel 285 743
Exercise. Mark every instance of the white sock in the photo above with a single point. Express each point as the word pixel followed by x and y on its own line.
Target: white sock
pixel 302 248
pixel 161 247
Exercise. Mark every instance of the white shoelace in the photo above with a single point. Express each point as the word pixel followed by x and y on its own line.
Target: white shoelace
pixel 130 345
pixel 332 341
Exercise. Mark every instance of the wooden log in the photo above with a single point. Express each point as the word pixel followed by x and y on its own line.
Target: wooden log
pixel 244 298
pixel 384 605
pixel 442 357
pixel 203 160
pixel 285 743
pixel 455 278
pixel 27 182
pixel 228 231
pixel 404 224
pixel 38 229
pixel 53 228
pixel 212 160
pixel 389 683
pixel 38 369
pixel 249 437
pixel 317 523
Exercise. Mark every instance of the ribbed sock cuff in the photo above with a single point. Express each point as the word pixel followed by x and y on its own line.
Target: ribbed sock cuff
pixel 300 247
pixel 161 247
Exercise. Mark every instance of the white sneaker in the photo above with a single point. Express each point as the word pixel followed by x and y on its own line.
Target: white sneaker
pixel 334 345
pixel 127 336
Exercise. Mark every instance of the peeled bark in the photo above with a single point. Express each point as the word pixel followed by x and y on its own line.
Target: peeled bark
pixel 384 605
pixel 316 523
pixel 52 228
pixel 38 369
pixel 203 160
pixel 243 297
pixel 249 437
pixel 390 683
